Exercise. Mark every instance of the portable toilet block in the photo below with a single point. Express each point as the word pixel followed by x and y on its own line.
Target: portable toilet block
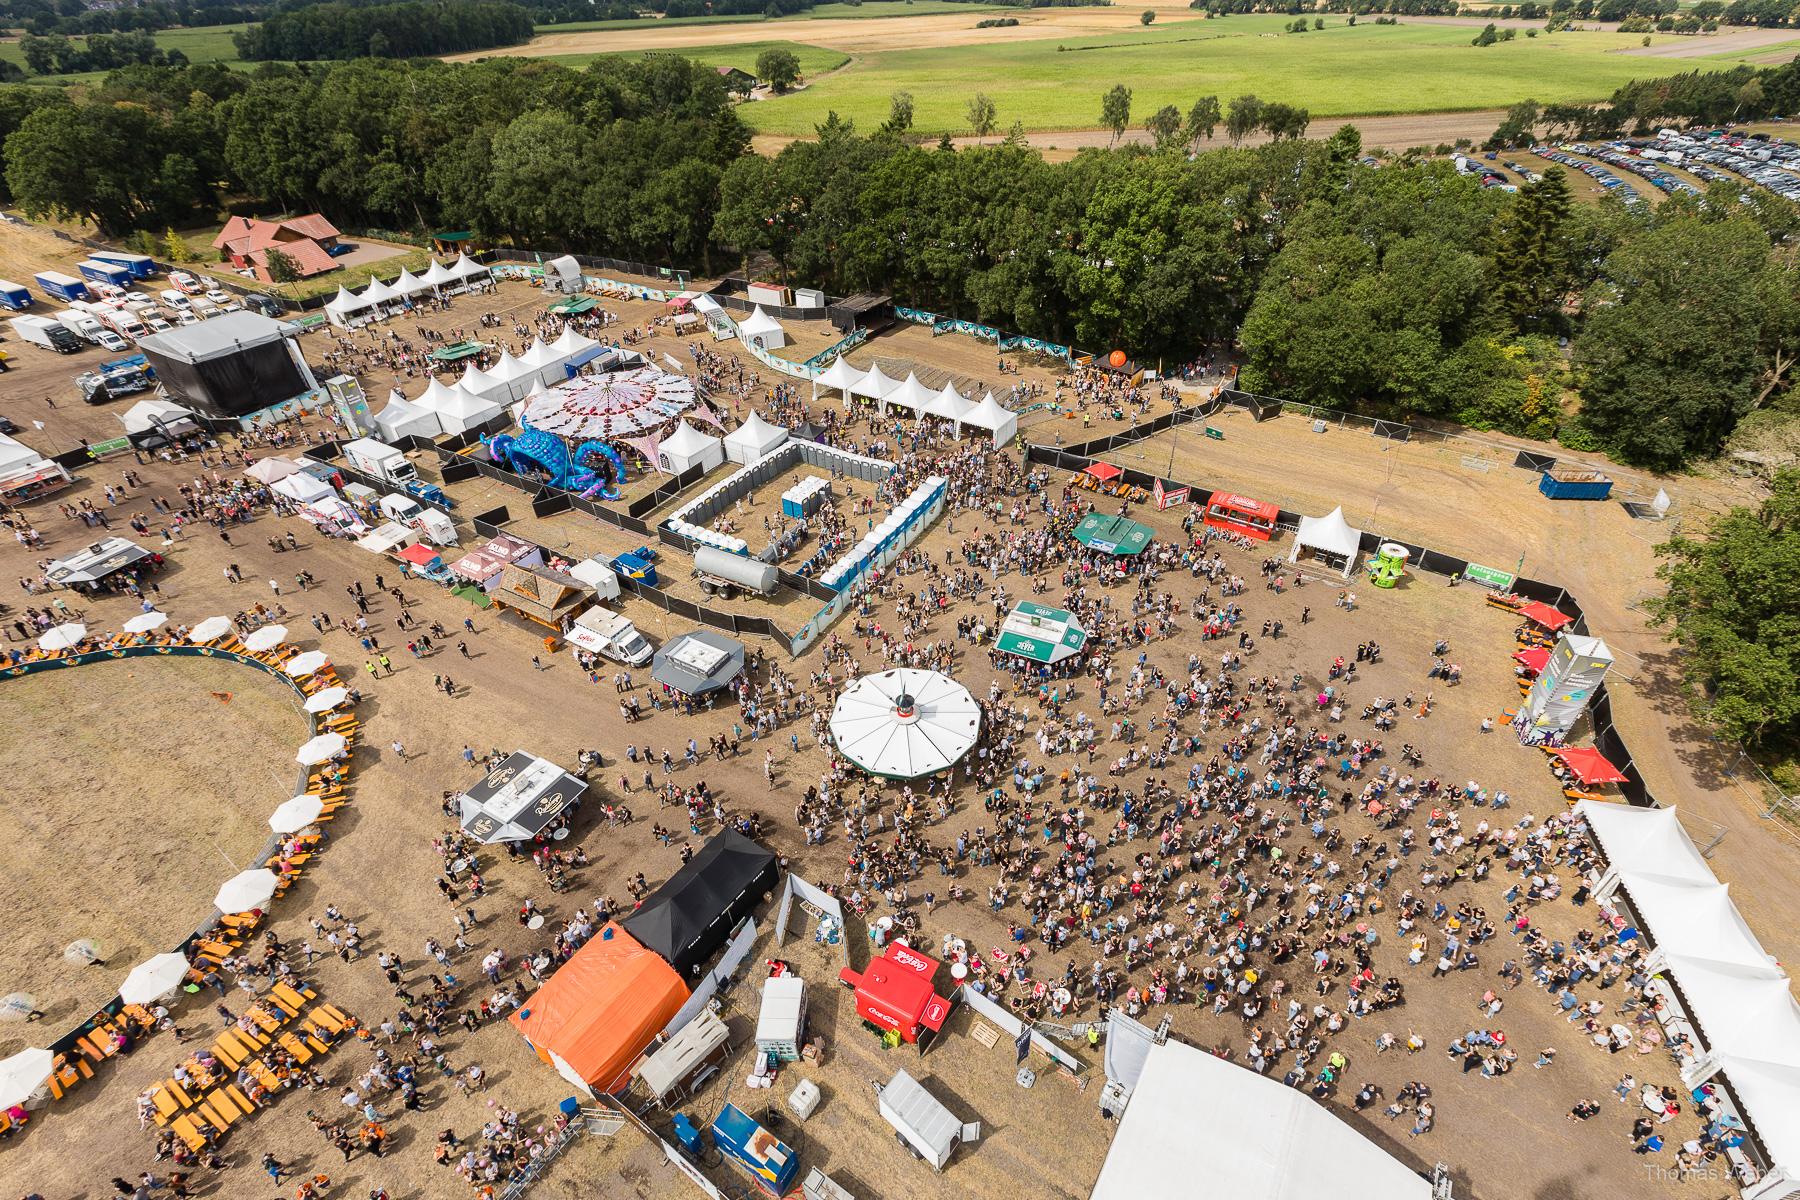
pixel 783 1017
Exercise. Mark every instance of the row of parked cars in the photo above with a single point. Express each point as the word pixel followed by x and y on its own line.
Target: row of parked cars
pixel 1769 162
pixel 1620 155
pixel 1593 170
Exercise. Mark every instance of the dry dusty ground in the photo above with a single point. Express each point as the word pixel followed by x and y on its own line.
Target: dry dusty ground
pixel 148 817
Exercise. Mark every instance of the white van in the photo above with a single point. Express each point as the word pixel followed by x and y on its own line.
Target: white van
pixel 175 300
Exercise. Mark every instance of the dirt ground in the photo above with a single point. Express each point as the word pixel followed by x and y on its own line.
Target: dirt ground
pixel 149 820
pixel 380 864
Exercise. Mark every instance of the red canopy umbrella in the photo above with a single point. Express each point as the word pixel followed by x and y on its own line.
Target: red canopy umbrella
pixel 1533 658
pixel 1590 766
pixel 1104 471
pixel 1546 616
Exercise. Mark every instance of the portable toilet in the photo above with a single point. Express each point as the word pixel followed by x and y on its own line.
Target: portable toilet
pixel 783 1017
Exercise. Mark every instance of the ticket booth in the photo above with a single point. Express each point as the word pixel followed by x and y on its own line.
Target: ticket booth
pixel 1241 514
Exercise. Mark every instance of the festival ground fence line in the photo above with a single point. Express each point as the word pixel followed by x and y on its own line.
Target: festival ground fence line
pixel 67 1043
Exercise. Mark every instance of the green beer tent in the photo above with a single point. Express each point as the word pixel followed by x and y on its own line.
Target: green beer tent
pixel 1045 635
pixel 1117 536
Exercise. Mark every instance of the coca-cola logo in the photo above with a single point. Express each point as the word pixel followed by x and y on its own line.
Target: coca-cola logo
pixel 909 960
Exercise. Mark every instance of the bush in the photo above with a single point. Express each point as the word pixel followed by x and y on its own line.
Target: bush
pixel 997 23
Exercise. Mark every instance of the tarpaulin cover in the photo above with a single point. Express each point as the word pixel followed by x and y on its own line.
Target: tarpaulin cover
pixel 690 917
pixel 1589 765
pixel 1544 615
pixel 602 1008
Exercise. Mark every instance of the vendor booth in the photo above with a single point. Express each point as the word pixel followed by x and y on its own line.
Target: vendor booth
pixel 160 416
pixel 781 1022
pixel 540 595
pixel 699 662
pixel 1240 514
pixel 1116 536
pixel 690 918
pixel 839 375
pixel 91 568
pixel 760 329
pixel 1043 635
pixel 484 565
pixel 600 1009
pixel 904 723
pixel 682 1065
pixel 688 448
pixel 515 800
pixel 1330 540
pixel 923 1123
pixel 998 422
pixel 754 439
pixel 895 994
pixel 302 488
pixel 402 419
pixel 1542 614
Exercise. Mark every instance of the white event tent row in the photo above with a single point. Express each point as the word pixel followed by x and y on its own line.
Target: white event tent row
pixel 1738 1004
pixel 990 416
pixel 349 308
pixel 456 408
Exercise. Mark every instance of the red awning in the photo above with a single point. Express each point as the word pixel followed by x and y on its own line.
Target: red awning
pixel 1533 658
pixel 1544 615
pixel 419 554
pixel 1104 471
pixel 1589 765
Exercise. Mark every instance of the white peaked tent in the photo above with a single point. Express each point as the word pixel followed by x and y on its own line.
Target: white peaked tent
pixel 1692 918
pixel 546 364
pixel 1002 423
pixel 458 409
pixel 402 418
pixel 911 395
pixel 1255 1138
pixel 379 294
pixel 764 328
pixel 874 386
pixel 468 270
pixel 477 382
pixel 949 404
pixel 409 284
pixel 754 439
pixel 688 447
pixel 1644 839
pixel 346 308
pixel 437 276
pixel 162 415
pixel 514 376
pixel 840 375
pixel 1329 534
pixel 571 343
pixel 905 723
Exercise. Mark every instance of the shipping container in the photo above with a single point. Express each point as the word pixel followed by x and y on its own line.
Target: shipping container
pixel 1575 485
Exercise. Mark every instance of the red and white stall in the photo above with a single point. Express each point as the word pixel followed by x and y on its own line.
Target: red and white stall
pixel 895 993
pixel 1240 514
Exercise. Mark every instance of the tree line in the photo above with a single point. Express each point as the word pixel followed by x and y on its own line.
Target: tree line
pixel 48 16
pixel 58 55
pixel 1742 93
pixel 1397 288
pixel 408 30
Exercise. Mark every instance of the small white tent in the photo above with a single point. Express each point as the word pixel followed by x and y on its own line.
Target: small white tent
pixel 346 308
pixel 513 376
pixel 379 295
pixel 402 418
pixel 765 330
pixel 409 284
pixel 571 343
pixel 688 447
pixel 437 277
pixel 546 364
pixel 458 409
pixel 1001 423
pixel 912 395
pixel 754 439
pixel 302 488
pixel 873 386
pixel 477 382
pixel 839 375
pixel 468 270
pixel 948 405
pixel 161 415
pixel 1328 535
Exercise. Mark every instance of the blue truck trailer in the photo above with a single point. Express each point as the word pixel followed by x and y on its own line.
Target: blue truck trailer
pixel 15 296
pixel 63 287
pixel 96 271
pixel 141 266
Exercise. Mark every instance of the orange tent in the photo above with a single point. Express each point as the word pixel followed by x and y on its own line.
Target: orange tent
pixel 598 1012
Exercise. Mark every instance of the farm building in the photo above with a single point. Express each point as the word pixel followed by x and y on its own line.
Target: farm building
pixel 308 240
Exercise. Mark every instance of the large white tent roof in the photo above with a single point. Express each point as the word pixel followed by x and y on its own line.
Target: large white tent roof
pixel 756 436
pixel 687 441
pixel 1771 1093
pixel 402 417
pixel 840 374
pixel 874 385
pixel 540 355
pixel 572 343
pixel 1330 533
pixel 466 268
pixel 1644 839
pixel 948 404
pixel 905 723
pixel 345 301
pixel 1688 917
pixel 437 275
pixel 408 283
pixel 1193 1114
pixel 911 394
pixel 477 382
pixel 990 414
pixel 378 292
pixel 439 396
pixel 156 413
pixel 510 368
pixel 1740 1009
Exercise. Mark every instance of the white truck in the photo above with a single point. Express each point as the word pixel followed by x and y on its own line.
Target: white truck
pixel 438 528
pixel 82 325
pixel 601 631
pixel 45 332
pixel 724 574
pixel 381 460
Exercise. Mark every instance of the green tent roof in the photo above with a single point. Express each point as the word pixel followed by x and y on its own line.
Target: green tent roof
pixel 457 352
pixel 1045 635
pixel 457 235
pixel 1115 535
pixel 573 305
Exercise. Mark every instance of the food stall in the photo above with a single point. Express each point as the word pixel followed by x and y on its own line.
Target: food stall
pixel 894 994
pixel 1240 514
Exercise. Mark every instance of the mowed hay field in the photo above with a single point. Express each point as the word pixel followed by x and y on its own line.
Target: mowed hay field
pixel 135 793
pixel 1338 71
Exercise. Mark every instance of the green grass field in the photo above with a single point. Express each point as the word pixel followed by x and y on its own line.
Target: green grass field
pixel 201 44
pixel 814 60
pixel 870 10
pixel 1341 70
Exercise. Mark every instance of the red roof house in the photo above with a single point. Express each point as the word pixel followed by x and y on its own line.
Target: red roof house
pixel 308 240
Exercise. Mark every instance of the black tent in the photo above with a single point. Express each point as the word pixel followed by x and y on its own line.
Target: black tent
pixel 690 917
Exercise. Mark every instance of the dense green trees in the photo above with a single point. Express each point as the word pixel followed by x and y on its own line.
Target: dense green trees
pixel 410 30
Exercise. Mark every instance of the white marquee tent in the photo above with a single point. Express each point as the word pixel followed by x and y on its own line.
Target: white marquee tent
pixel 346 308
pixel 302 488
pixel 1329 534
pixel 949 405
pixel 402 418
pixel 910 395
pixel 571 343
pixel 458 409
pixel 379 295
pixel 873 386
pixel 1251 1137
pixel 478 382
pixel 840 374
pixel 1000 422
pixel 513 377
pixel 754 439
pixel 688 447
pixel 764 328
pixel 162 415
pixel 409 284
pixel 467 270
pixel 545 362
pixel 437 276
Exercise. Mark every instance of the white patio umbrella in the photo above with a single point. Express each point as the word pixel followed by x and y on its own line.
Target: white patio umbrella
pixel 210 630
pixel 296 814
pixel 246 890
pixel 905 723
pixel 302 665
pixel 326 699
pixel 154 978
pixel 145 622
pixel 63 636
pixel 266 638
pixel 23 1074
pixel 323 748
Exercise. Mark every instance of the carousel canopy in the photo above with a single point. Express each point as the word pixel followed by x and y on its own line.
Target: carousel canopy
pixel 516 799
pixel 617 403
pixel 905 723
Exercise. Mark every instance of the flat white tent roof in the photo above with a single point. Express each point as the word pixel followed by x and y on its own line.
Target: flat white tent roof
pixel 1193 1115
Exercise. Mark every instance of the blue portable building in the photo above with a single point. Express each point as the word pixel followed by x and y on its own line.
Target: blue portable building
pixel 771 1165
